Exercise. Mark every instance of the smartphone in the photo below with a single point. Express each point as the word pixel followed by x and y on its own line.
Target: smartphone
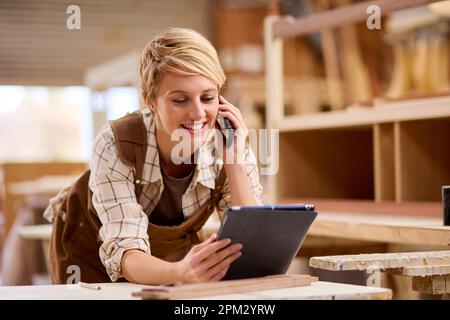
pixel 226 128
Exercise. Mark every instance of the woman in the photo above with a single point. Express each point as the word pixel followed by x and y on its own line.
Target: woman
pixel 151 238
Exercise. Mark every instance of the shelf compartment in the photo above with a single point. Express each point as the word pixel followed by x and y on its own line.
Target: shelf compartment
pixel 329 164
pixel 423 161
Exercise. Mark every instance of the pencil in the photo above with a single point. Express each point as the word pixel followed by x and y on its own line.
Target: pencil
pixel 89 286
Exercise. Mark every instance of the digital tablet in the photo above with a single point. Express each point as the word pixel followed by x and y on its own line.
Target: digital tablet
pixel 271 236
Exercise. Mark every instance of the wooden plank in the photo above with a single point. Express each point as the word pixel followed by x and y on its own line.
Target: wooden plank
pixel 331 63
pixel 356 77
pixel 273 50
pixel 285 28
pixel 319 290
pixel 380 260
pixel 39 231
pixel 415 223
pixel 432 285
pixel 397 163
pixel 422 271
pixel 381 228
pixel 185 291
pixel 375 211
pixel 382 112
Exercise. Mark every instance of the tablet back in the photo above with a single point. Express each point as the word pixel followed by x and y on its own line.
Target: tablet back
pixel 270 239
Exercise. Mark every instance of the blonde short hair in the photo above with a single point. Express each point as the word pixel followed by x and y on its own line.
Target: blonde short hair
pixel 181 51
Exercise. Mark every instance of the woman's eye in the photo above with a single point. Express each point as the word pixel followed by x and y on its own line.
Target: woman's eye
pixel 208 99
pixel 179 100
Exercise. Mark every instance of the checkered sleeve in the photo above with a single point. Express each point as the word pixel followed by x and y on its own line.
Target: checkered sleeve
pixel 124 224
pixel 253 178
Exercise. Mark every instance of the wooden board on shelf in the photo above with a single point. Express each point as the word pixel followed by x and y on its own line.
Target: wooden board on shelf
pixel 356 12
pixel 388 229
pixel 356 77
pixel 369 207
pixel 382 112
pixel 387 222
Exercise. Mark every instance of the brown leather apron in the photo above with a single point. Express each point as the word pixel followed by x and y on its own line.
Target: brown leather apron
pixel 75 244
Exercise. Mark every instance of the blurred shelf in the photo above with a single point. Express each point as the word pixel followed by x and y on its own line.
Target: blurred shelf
pixel 409 223
pixel 407 208
pixel 408 110
pixel 38 231
pixel 293 27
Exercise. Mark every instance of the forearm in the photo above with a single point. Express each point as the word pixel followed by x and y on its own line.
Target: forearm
pixel 143 268
pixel 240 189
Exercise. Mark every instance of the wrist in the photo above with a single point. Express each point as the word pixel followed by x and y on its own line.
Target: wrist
pixel 178 272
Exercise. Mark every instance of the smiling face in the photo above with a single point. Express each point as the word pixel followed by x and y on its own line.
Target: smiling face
pixel 187 103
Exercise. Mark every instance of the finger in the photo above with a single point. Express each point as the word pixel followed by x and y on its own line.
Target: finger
pixel 231 108
pixel 225 263
pixel 237 122
pixel 210 249
pixel 222 99
pixel 221 255
pixel 203 244
pixel 232 117
pixel 222 265
pixel 225 103
pixel 220 275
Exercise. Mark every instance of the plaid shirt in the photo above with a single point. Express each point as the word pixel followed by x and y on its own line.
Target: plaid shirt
pixel 125 218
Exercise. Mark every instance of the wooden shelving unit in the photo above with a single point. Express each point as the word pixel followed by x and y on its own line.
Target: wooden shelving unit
pixel 394 151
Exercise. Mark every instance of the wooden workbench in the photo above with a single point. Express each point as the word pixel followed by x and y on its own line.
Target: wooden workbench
pixel 123 291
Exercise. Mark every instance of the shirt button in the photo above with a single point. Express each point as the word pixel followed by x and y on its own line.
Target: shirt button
pixel 138 181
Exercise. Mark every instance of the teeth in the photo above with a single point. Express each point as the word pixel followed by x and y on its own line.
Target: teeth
pixel 194 127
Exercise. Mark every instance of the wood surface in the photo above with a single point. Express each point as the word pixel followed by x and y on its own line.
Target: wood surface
pixel 432 285
pixel 381 260
pixel 124 290
pixel 225 287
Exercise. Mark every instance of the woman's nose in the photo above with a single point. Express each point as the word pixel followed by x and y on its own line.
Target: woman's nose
pixel 197 111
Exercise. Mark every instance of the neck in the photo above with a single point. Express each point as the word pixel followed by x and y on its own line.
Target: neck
pixel 165 146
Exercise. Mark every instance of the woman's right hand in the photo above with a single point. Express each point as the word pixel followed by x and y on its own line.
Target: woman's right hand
pixel 208 261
